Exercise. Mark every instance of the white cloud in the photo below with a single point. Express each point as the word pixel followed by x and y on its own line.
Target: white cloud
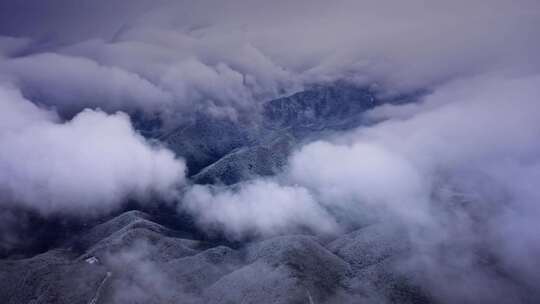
pixel 361 173
pixel 203 54
pixel 261 208
pixel 459 170
pixel 87 165
pixel 73 83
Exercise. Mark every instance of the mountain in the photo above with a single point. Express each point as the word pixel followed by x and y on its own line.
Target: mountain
pixel 226 152
pixel 161 257
pixel 132 258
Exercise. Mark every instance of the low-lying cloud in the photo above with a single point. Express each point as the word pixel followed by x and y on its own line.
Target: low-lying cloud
pixel 73 83
pixel 85 166
pixel 261 208
pixel 459 171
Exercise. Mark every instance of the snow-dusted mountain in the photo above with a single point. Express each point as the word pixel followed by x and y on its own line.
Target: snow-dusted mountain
pixel 225 151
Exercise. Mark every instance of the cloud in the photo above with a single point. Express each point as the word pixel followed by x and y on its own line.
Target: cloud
pixel 73 83
pixel 259 208
pixel 351 177
pixel 85 166
pixel 10 46
pixel 137 276
pixel 458 172
pixel 223 58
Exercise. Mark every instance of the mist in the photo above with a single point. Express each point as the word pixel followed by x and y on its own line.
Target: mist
pixel 226 58
pixel 458 173
pixel 456 170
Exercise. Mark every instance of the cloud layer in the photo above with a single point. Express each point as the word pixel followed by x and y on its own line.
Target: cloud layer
pixel 88 165
pixel 223 58
pixel 262 208
pixel 458 170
